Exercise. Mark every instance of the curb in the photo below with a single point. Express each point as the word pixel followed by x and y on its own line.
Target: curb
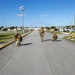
pixel 13 41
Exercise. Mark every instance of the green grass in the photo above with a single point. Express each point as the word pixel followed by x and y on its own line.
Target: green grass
pixel 66 37
pixel 4 37
pixel 57 32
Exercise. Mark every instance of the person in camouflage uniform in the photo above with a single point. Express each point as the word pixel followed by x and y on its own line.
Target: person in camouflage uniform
pixel 18 39
pixel 54 37
pixel 42 33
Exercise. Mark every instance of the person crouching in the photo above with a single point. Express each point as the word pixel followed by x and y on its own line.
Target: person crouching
pixel 18 39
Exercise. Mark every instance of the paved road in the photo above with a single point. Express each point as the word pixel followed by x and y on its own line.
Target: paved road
pixel 38 58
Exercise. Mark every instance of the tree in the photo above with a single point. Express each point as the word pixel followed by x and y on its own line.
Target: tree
pixel 12 28
pixel 16 28
pixel 47 28
pixel 1 27
pixel 5 29
pixel 68 27
pixel 52 27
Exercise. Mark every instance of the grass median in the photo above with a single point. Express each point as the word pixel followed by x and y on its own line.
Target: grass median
pixel 4 37
pixel 57 32
pixel 70 37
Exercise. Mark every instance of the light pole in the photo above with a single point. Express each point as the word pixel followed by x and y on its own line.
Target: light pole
pixel 22 9
pixel 74 21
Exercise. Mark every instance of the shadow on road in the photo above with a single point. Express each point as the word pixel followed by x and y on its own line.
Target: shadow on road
pixel 51 40
pixel 48 40
pixel 26 44
pixel 57 41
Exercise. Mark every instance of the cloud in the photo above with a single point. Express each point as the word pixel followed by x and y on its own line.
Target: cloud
pixel 21 15
pixel 44 15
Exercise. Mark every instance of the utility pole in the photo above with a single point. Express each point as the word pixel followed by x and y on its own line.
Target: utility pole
pixel 22 9
pixel 74 20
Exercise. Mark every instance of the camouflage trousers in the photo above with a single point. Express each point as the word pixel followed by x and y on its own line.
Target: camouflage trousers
pixel 42 36
pixel 18 42
pixel 54 38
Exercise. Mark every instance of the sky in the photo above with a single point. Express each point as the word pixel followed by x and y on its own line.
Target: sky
pixel 37 13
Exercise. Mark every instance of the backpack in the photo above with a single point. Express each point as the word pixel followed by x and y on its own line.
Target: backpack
pixel 42 31
pixel 21 38
pixel 16 36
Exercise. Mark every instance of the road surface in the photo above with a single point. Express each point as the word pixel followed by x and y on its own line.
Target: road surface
pixel 34 57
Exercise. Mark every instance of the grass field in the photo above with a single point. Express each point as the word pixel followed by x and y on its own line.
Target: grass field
pixel 70 37
pixel 66 37
pixel 57 32
pixel 4 37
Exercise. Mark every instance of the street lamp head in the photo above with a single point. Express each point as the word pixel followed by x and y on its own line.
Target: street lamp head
pixel 21 8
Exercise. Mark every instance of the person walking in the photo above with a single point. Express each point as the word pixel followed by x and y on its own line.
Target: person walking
pixel 42 33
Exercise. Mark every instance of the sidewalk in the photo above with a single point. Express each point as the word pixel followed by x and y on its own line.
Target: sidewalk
pixel 10 41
